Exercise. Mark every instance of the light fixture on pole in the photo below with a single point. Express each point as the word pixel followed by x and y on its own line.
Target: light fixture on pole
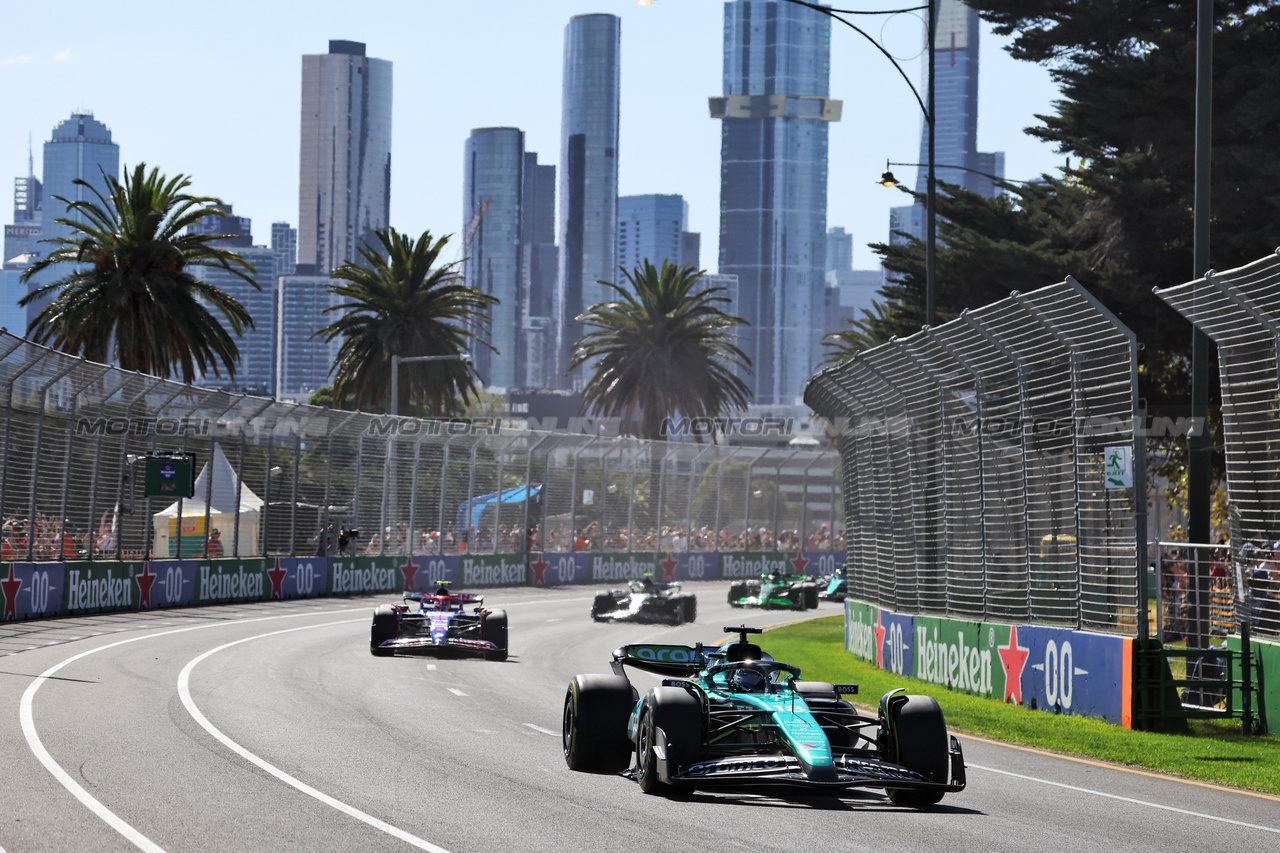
pixel 927 107
pixel 888 180
pixel 397 360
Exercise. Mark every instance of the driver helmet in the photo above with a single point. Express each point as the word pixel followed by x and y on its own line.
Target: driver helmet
pixel 746 680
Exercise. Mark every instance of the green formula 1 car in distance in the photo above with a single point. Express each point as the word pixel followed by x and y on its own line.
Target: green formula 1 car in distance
pixel 776 591
pixel 733 716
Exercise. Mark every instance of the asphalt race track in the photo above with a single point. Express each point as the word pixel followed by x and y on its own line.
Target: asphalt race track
pixel 271 727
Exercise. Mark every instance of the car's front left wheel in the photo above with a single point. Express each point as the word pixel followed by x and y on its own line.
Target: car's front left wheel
pixel 677 713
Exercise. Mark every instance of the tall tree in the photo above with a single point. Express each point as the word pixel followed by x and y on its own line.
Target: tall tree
pixel 1120 222
pixel 662 347
pixel 131 296
pixel 404 302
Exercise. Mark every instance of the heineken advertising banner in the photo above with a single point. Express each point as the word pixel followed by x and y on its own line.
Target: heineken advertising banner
pixel 818 563
pixel 1051 669
pixel 745 565
pixel 554 568
pixel 423 572
pixel 32 590
pixel 1075 672
pixel 611 568
pixel 167 583
pixel 102 587
pixel 687 566
pixel 364 575
pixel 299 577
pixel 1266 657
pixel 492 570
pixel 219 581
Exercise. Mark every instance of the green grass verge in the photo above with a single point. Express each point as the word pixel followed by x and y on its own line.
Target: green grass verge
pixel 1214 752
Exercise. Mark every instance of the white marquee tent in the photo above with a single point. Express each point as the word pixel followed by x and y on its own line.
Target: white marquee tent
pixel 222 514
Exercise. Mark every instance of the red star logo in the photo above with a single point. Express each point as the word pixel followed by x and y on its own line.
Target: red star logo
pixel 145 580
pixel 410 571
pixel 1013 659
pixel 539 567
pixel 277 576
pixel 669 567
pixel 879 630
pixel 799 562
pixel 11 587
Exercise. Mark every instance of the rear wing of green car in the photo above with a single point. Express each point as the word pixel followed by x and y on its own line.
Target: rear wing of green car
pixel 675 661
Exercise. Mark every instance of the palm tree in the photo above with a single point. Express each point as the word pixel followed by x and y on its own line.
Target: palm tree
pixel 661 348
pixel 132 296
pixel 863 333
pixel 405 305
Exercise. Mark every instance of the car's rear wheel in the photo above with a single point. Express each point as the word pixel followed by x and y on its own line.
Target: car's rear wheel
pixel 811 595
pixel 596 711
pixel 737 592
pixel 690 608
pixel 494 629
pixel 603 604
pixel 921 745
pixel 386 625
pixel 679 715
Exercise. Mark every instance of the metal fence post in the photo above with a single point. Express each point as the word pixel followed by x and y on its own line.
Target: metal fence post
pixel 177 547
pixel 97 465
pixel 412 535
pixel 66 482
pixel 444 488
pixel 528 485
pixel 8 434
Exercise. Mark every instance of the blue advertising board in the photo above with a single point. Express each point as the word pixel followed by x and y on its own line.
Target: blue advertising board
pixel 555 568
pixel 32 590
pixel 299 577
pixel 1073 672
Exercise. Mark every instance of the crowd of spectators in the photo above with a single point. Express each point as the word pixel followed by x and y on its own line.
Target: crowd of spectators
pixel 513 538
pixel 1245 588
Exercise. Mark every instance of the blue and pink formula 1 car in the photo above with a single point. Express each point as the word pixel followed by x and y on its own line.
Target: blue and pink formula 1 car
pixel 440 624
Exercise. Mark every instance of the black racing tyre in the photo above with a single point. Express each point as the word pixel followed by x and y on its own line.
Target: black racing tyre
pixel 737 592
pixel 494 629
pixel 596 711
pixel 919 742
pixel 603 604
pixel 679 715
pixel 690 608
pixel 810 596
pixel 386 625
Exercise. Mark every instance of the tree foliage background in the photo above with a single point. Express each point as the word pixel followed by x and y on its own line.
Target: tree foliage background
pixel 1120 219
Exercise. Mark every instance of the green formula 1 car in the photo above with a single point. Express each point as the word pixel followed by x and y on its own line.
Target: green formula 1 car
pixel 733 716
pixel 776 590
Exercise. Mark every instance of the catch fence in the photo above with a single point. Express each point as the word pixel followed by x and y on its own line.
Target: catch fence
pixel 287 480
pixel 989 463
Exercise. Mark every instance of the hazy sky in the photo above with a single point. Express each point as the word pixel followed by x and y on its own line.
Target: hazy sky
pixel 213 90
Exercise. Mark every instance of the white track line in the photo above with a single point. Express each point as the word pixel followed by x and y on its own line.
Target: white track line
pixel 530 725
pixel 1125 799
pixel 455 691
pixel 26 716
pixel 184 691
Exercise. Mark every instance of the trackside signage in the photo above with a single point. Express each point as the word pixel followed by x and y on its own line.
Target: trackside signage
pixel 298 577
pixel 738 564
pixel 361 575
pixel 422 572
pixel 492 570
pixel 166 583
pixel 32 590
pixel 231 580
pixel 687 566
pixel 1053 669
pixel 101 587
pixel 554 568
pixel 620 567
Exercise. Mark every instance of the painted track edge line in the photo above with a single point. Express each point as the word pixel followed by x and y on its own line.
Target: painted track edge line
pixel 1123 799
pixel 184 692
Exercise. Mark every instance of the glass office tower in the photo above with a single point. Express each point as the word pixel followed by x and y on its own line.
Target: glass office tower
pixel 493 183
pixel 540 261
pixel 588 172
pixel 650 227
pixel 345 179
pixel 79 148
pixel 773 185
pixel 956 130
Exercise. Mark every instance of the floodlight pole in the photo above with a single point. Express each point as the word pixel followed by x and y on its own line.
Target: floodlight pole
pixel 395 372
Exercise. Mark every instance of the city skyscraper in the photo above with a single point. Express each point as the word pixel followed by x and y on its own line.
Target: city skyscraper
pixel 773 185
pixel 839 250
pixel 302 360
pixel 284 241
pixel 650 227
pixel 238 229
pixel 345 180
pixel 540 264
pixel 956 127
pixel 588 173
pixel 493 182
pixel 79 148
pixel 21 237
